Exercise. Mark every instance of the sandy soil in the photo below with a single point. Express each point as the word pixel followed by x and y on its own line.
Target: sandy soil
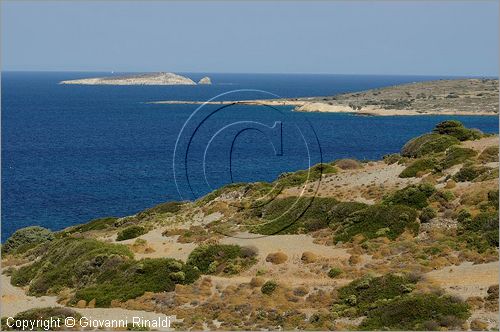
pixel 351 184
pixel 466 279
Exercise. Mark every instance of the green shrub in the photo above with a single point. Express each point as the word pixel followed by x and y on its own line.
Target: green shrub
pixel 221 258
pixel 392 219
pixel 269 287
pixel 42 314
pixel 94 225
pixel 414 196
pixel 298 178
pixel 420 165
pixel 291 214
pixel 490 154
pixel 480 232
pixel 456 129
pixel 168 207
pixel 340 213
pixel 393 158
pixel 427 214
pixel 130 233
pixel 427 144
pixel 469 173
pixel 26 238
pixel 368 291
pixel 417 312
pixel 456 155
pixel 335 272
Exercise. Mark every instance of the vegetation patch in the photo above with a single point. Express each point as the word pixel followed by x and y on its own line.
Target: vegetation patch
pixel 269 287
pixel 418 166
pixel 414 196
pixel 480 232
pixel 168 207
pixel 26 238
pixel 98 270
pixel 94 225
pixel 427 144
pixel 470 172
pixel 347 164
pixel 130 233
pixel 456 155
pixel 222 258
pixel 490 154
pixel 456 129
pixel 379 220
pixel 417 312
pixel 299 178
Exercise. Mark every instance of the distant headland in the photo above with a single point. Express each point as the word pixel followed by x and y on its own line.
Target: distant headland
pixel 139 79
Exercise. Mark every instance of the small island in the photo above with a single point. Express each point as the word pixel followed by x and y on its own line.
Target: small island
pixel 139 79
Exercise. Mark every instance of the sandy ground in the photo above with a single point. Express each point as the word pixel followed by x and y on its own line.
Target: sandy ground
pixel 14 300
pixel 350 184
pixel 481 144
pixel 466 279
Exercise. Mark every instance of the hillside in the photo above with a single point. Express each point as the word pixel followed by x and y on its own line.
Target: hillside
pixel 409 242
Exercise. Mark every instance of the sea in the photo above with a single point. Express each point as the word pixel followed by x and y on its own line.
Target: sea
pixel 72 153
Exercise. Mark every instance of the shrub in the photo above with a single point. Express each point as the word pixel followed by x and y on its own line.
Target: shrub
pixel 298 178
pixel 418 166
pixel 168 207
pixel 427 214
pixel 94 225
pixel 393 158
pixel 490 154
pixel 394 219
pixel 456 155
pixel 277 258
pixel 480 232
pixel 347 164
pixel 335 272
pixel 456 129
pixel 426 144
pixel 308 257
pixel 469 173
pixel 98 270
pixel 291 214
pixel 26 238
pixel 417 312
pixel 130 233
pixel 414 196
pixel 269 287
pixel 342 211
pixel 221 258
pixel 368 291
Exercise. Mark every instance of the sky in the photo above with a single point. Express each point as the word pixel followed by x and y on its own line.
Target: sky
pixel 330 37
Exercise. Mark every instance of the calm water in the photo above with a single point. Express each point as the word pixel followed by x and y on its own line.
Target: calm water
pixel 74 153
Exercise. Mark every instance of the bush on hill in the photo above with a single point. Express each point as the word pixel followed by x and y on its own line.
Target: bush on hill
pixel 414 196
pixel 427 144
pixel 222 258
pixel 418 166
pixel 456 129
pixel 490 154
pixel 26 238
pixel 130 233
pixel 469 173
pixel 456 155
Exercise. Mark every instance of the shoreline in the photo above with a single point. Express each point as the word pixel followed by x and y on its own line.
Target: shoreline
pixel 318 107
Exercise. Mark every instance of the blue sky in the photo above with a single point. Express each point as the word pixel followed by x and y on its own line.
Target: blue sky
pixel 360 37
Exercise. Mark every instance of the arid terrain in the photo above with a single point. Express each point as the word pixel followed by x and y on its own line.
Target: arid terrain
pixel 446 97
pixel 409 242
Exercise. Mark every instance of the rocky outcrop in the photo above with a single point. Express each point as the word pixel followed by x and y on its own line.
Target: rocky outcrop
pixel 139 79
pixel 205 80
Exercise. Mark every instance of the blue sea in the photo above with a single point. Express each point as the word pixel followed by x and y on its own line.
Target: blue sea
pixel 73 153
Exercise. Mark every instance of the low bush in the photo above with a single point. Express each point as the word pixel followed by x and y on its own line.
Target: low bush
pixel 414 196
pixel 269 287
pixel 342 211
pixel 417 312
pixel 347 164
pixel 456 155
pixel 490 154
pixel 480 232
pixel 456 129
pixel 277 258
pixel 366 293
pixel 94 225
pixel 168 207
pixel 130 233
pixel 379 220
pixel 393 158
pixel 427 144
pixel 418 166
pixel 298 178
pixel 334 272
pixel 469 173
pixel 427 214
pixel 221 258
pixel 26 238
